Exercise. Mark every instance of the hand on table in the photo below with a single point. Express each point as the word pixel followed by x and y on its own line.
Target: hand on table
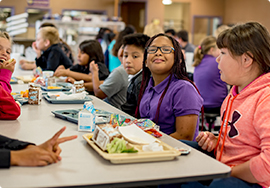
pixel 70 80
pixel 61 71
pixel 41 155
pixel 207 141
pixel 27 65
pixel 8 65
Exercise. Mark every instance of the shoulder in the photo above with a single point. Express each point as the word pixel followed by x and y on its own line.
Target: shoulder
pixel 179 83
pixel 120 70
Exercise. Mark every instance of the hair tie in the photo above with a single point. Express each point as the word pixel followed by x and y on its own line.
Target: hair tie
pixel 200 47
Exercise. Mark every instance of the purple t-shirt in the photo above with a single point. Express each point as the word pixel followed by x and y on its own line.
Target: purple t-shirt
pixel 207 78
pixel 180 99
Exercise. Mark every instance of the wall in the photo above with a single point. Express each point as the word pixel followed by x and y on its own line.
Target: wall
pixel 232 11
pixel 56 6
pixel 247 10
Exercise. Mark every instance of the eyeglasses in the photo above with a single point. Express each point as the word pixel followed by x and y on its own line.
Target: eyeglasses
pixel 163 49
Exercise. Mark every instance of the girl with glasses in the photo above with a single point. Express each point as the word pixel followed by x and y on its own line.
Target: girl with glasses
pixel 167 96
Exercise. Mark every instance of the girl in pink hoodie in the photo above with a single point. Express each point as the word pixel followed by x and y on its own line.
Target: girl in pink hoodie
pixel 244 139
pixel 9 109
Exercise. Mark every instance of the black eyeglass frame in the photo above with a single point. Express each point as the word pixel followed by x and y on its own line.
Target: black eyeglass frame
pixel 160 48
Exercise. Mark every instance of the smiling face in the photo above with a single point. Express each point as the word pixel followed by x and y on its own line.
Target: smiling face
pixel 230 67
pixel 5 49
pixel 132 59
pixel 83 58
pixel 158 63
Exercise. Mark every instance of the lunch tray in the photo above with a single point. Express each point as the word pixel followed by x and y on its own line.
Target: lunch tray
pixel 53 100
pixel 20 99
pixel 64 87
pixel 169 153
pixel 13 80
pixel 71 115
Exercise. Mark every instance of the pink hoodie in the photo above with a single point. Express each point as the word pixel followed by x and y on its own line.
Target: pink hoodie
pixel 5 76
pixel 248 131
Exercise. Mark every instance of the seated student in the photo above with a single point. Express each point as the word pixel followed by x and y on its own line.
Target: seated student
pixel 18 153
pixel 133 46
pixel 114 88
pixel 9 109
pixel 244 140
pixel 30 65
pixel 182 38
pixel 115 45
pixel 207 77
pixel 170 32
pixel 167 96
pixel 89 50
pixel 49 54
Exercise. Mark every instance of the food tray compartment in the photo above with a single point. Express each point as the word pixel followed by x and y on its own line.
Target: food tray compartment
pixel 169 153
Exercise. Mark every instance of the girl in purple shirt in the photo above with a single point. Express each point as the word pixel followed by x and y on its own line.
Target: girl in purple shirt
pixel 167 96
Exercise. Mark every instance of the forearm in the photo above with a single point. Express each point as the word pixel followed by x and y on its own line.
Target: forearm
pixel 96 83
pixel 89 85
pixel 79 76
pixel 243 172
pixel 185 127
pixel 183 136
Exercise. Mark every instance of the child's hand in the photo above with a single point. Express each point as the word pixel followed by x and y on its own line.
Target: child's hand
pixel 61 72
pixel 70 80
pixel 93 67
pixel 10 65
pixel 52 145
pixel 34 46
pixel 42 155
pixel 207 141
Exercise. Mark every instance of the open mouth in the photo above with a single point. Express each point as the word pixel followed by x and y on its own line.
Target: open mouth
pixel 2 60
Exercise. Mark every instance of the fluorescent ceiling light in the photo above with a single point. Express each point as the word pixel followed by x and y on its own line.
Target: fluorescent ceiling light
pixel 168 2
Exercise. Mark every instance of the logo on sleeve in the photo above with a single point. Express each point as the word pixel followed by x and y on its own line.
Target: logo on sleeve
pixel 235 117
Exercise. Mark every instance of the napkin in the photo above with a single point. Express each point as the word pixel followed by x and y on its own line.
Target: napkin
pixel 64 96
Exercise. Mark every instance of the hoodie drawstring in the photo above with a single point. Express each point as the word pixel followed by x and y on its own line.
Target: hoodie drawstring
pixel 225 122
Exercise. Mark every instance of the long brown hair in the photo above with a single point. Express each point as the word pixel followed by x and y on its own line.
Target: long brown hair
pixel 178 70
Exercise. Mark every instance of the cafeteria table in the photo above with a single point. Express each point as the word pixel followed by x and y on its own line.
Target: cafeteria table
pixel 81 166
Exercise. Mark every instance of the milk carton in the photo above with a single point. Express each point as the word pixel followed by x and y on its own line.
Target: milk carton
pixel 86 117
pixel 34 94
pixel 78 87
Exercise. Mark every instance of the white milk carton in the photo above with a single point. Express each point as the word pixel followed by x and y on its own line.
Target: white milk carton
pixel 86 118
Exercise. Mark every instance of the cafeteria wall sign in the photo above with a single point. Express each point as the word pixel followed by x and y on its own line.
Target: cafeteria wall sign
pixel 38 3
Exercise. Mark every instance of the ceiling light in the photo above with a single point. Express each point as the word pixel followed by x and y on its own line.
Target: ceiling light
pixel 168 2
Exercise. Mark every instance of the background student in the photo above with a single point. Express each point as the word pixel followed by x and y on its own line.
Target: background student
pixel 182 38
pixel 19 153
pixel 89 50
pixel 133 50
pixel 167 97
pixel 207 77
pixel 29 65
pixel 244 140
pixel 9 109
pixel 115 45
pixel 114 88
pixel 49 54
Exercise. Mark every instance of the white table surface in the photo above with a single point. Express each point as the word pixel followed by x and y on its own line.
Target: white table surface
pixel 82 166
